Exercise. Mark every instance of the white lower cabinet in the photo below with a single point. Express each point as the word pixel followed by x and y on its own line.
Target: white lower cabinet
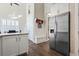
pixel 10 46
pixel 23 43
pixel 14 45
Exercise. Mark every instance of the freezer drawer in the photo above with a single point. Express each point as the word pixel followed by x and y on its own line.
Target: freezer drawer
pixel 62 42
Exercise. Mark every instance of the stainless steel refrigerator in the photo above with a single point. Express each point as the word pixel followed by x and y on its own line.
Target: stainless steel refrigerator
pixel 59 33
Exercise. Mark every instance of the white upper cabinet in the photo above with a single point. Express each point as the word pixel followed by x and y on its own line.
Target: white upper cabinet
pixel 50 8
pixel 56 8
pixel 62 8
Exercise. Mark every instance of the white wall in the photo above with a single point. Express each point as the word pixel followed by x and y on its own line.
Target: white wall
pixel 30 21
pixel 40 34
pixel 37 35
pixel 74 28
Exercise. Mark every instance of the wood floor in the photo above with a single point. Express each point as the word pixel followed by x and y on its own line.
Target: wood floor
pixel 41 49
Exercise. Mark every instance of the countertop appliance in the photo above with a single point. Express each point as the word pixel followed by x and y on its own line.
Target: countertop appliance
pixel 12 31
pixel 59 33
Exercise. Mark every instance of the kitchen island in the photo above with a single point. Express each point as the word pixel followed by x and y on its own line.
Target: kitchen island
pixel 12 44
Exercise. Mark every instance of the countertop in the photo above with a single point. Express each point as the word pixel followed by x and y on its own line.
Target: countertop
pixel 10 34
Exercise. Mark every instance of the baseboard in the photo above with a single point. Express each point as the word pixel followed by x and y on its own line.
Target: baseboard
pixel 73 54
pixel 39 40
pixel 32 40
pixel 42 41
pixel 23 54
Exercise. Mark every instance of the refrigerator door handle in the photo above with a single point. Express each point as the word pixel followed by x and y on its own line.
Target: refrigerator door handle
pixel 56 28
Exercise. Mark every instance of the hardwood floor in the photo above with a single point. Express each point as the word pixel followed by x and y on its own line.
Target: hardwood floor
pixel 41 49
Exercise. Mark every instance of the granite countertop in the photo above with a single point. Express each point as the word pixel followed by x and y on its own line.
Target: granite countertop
pixel 10 34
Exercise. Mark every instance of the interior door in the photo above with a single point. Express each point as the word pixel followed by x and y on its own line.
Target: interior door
pixel 62 34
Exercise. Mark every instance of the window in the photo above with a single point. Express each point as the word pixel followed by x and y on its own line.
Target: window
pixel 13 22
pixel 16 23
pixel 9 24
pixel 3 21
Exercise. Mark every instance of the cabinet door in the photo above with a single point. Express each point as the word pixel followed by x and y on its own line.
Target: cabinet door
pixel 62 8
pixel 23 44
pixel 0 46
pixel 10 46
